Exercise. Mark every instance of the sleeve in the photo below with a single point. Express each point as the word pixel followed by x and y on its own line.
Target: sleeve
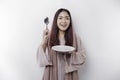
pixel 77 58
pixel 42 57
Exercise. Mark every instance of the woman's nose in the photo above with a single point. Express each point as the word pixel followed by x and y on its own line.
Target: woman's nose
pixel 63 20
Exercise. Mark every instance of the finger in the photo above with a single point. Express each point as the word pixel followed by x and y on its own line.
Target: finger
pixel 45 31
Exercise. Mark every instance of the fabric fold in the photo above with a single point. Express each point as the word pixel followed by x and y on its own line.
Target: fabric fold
pixel 42 57
pixel 77 58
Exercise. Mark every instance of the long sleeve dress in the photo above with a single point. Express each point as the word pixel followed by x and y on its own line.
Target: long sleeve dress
pixel 62 66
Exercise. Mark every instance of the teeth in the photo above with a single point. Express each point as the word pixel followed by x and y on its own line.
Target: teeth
pixel 63 25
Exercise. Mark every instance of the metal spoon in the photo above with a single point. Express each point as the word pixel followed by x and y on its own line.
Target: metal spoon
pixel 46 21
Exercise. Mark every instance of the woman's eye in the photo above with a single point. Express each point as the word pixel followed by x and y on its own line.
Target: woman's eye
pixel 60 18
pixel 67 18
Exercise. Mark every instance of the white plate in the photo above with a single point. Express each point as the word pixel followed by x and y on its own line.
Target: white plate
pixel 63 48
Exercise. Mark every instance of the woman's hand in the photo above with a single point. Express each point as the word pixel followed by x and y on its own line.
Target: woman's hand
pixel 45 35
pixel 45 38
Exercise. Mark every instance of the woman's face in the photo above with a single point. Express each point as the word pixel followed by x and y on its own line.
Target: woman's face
pixel 63 21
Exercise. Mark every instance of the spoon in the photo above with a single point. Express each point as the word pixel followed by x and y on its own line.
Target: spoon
pixel 46 21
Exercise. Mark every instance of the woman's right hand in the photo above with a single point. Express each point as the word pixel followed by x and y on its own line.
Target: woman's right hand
pixel 45 38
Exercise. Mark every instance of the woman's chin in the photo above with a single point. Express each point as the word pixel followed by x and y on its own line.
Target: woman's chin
pixel 63 30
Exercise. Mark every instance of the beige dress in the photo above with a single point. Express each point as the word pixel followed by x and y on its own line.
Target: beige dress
pixel 62 66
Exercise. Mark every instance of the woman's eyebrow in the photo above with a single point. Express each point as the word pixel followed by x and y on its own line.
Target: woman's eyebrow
pixel 67 16
pixel 62 16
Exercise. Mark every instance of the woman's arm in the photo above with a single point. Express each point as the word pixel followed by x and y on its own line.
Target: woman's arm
pixel 45 39
pixel 42 52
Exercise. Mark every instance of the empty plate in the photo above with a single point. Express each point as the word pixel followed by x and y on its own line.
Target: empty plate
pixel 63 48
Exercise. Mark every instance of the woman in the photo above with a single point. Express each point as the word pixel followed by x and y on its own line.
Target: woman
pixel 61 65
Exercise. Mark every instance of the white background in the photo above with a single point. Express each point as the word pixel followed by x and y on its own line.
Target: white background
pixel 97 22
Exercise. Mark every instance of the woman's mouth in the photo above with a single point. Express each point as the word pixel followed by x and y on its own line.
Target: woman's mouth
pixel 63 25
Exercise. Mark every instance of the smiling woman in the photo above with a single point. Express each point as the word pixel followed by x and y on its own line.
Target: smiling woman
pixel 61 65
